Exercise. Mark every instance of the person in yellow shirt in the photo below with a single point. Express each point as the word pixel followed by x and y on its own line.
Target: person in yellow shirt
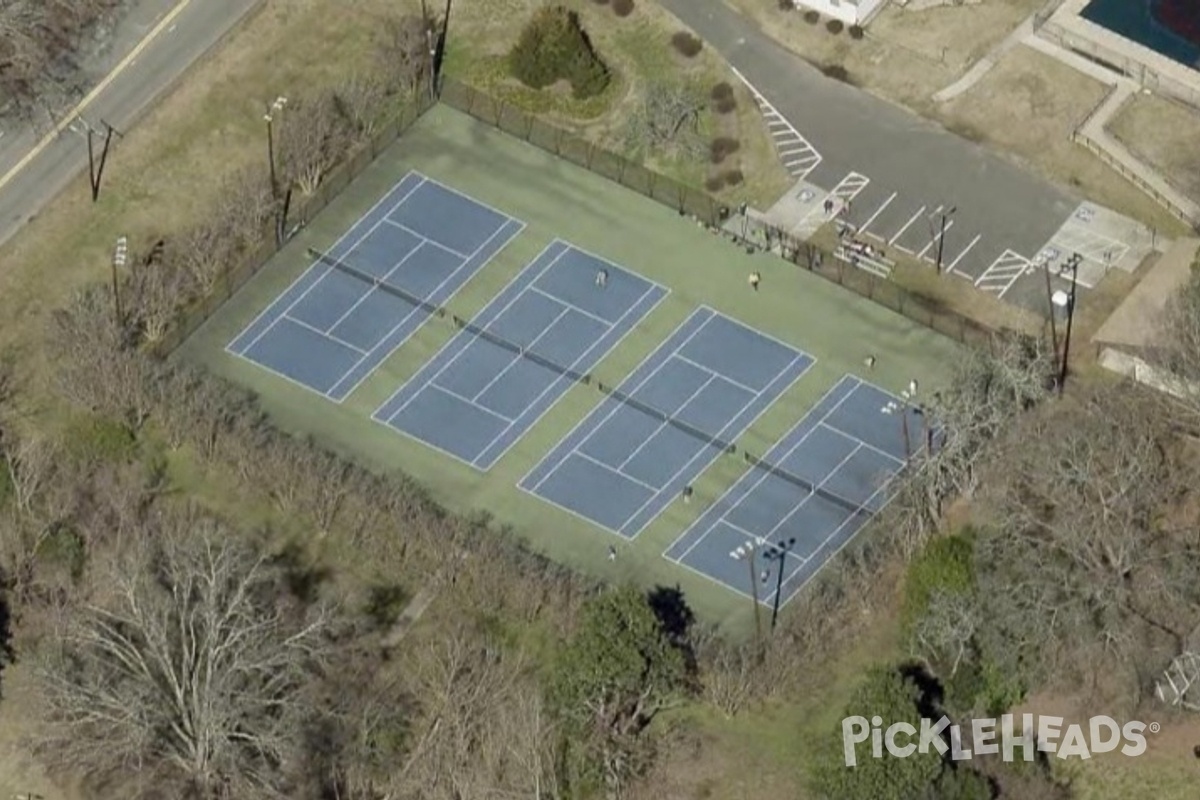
pixel 755 278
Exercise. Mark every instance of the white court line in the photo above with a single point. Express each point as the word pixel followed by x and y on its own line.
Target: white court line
pixel 617 404
pixel 519 357
pixel 663 425
pixel 900 232
pixel 322 333
pixel 374 289
pixel 575 363
pixel 433 378
pixel 775 459
pixel 614 470
pixel 936 237
pixel 328 268
pixel 878 211
pixel 727 492
pixel 469 401
pixel 428 299
pixel 966 250
pixel 712 457
pixel 423 237
pixel 716 374
pixel 819 488
pixel 569 306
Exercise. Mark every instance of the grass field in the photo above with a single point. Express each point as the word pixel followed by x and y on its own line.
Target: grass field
pixel 557 199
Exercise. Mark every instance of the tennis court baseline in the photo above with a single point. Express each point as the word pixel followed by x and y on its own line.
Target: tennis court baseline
pixel 621 466
pixel 331 328
pixel 492 382
pixel 847 449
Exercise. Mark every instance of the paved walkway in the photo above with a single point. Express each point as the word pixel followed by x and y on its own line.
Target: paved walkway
pixel 984 65
pixel 1094 135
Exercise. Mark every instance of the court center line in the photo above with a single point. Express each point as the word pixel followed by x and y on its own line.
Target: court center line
pixel 900 232
pixel 374 289
pixel 573 366
pixel 775 459
pixel 432 379
pixel 721 375
pixel 429 299
pixel 966 250
pixel 471 402
pixel 321 333
pixel 433 242
pixel 316 263
pixel 516 358
pixel 663 425
pixel 328 270
pixel 616 403
pixel 571 306
pixel 746 407
pixel 865 444
pixel 820 486
pixel 865 521
pixel 708 512
pixel 613 470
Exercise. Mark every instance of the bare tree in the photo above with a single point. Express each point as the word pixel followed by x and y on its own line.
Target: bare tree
pixel 945 632
pixel 405 51
pixel 1078 553
pixel 192 666
pixel 313 137
pixel 98 366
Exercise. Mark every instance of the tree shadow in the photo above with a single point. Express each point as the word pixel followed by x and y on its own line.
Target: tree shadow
pixel 7 654
pixel 676 619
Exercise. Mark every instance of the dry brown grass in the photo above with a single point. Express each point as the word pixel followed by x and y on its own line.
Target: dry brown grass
pixel 1166 135
pixel 1028 106
pixel 906 55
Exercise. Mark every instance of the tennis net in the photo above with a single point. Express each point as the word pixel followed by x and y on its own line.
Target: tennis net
pixel 587 379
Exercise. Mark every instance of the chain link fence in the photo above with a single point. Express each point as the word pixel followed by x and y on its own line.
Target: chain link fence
pixel 685 200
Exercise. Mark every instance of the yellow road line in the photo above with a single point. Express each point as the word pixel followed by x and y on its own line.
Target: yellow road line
pixel 100 87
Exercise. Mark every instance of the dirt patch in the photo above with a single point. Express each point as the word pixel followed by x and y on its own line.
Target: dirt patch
pixel 1166 135
pixel 1028 106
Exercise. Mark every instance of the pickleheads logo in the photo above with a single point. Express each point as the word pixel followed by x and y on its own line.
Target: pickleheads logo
pixel 992 736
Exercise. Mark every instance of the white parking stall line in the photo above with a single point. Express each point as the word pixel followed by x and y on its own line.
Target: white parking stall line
pixel 966 250
pixel 900 232
pixel 936 237
pixel 878 211
pixel 999 277
pixel 801 157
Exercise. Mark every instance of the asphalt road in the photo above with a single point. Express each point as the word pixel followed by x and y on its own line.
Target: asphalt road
pixel 197 27
pixel 914 169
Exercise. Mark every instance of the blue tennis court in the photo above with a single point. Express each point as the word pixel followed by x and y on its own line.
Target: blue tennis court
pixel 847 448
pixel 477 397
pixel 621 466
pixel 331 328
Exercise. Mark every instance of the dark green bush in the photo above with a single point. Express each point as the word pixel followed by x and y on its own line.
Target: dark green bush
pixel 722 147
pixel 686 44
pixel 834 26
pixel 721 91
pixel 733 177
pixel 856 31
pixel 812 17
pixel 554 47
pixel 622 8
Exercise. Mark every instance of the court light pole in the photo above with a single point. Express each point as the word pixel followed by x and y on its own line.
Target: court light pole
pixel 120 255
pixel 272 109
pixel 1073 265
pixel 778 552
pixel 745 552
pixel 942 236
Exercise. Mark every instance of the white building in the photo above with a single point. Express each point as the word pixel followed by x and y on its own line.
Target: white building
pixel 851 12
